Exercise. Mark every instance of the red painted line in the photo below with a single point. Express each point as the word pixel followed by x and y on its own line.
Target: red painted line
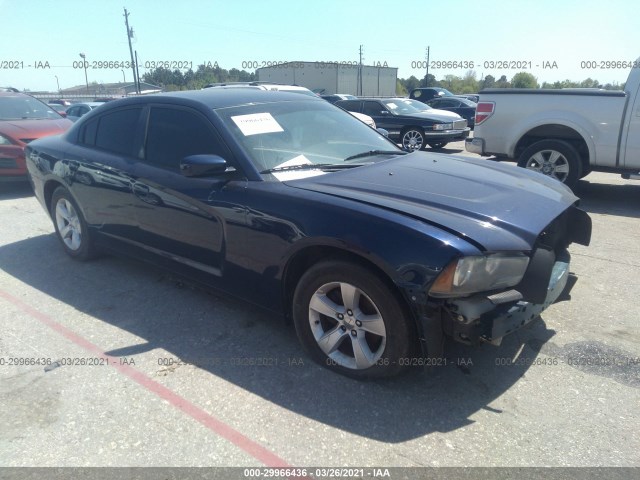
pixel 254 449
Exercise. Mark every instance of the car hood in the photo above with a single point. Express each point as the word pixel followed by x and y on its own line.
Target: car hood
pixel 440 115
pixel 496 207
pixel 444 114
pixel 32 129
pixel 427 115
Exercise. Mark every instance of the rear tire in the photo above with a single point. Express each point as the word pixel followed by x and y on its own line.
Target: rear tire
pixel 71 228
pixel 555 158
pixel 350 321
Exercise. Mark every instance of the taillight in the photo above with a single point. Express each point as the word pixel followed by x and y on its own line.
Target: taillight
pixel 483 111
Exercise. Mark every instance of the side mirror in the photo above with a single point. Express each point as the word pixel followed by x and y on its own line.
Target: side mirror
pixel 202 165
pixel 383 131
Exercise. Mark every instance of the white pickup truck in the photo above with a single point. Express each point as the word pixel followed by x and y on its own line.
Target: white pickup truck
pixel 564 133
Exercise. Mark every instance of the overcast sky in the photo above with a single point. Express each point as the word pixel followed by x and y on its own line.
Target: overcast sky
pixel 245 33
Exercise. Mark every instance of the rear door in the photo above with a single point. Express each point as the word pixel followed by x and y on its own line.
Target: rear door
pixel 100 170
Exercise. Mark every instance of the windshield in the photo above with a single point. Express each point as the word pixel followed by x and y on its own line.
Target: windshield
pixel 398 106
pixel 305 133
pixel 26 108
pixel 417 104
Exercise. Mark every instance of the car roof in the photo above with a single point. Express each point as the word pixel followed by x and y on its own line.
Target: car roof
pixel 437 89
pixel 13 94
pixel 464 101
pixel 216 97
pixel 382 99
pixel 90 104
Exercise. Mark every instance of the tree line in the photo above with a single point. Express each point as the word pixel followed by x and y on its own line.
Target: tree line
pixel 470 84
pixel 171 80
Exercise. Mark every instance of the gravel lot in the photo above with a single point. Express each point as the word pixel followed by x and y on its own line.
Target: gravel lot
pixel 571 398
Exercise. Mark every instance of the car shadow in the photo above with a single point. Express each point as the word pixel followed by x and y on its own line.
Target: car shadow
pixel 15 190
pixel 610 199
pixel 224 337
pixel 446 149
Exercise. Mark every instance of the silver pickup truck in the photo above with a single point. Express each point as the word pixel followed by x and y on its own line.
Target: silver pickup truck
pixel 564 133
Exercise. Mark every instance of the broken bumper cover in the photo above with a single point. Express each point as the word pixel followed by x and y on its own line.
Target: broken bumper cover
pixel 478 319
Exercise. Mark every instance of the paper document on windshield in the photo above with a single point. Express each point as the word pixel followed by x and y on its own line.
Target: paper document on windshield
pixel 257 123
pixel 295 174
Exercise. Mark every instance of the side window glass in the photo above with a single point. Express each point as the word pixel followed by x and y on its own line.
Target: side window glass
pixel 88 135
pixel 351 105
pixel 372 109
pixel 117 131
pixel 176 133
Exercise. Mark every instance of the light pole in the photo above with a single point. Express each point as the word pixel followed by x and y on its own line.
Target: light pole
pixel 84 63
pixel 57 83
pixel 124 79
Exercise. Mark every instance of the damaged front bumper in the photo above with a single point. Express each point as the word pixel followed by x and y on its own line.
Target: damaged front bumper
pixel 488 318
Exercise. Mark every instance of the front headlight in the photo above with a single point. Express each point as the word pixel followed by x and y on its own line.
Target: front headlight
pixel 443 126
pixel 468 275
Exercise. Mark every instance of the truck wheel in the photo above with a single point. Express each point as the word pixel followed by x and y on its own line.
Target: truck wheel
pixel 555 158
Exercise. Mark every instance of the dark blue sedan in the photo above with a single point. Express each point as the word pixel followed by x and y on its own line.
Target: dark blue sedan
pixel 371 253
pixel 462 106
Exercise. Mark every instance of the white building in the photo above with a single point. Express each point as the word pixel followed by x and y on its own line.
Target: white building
pixel 328 78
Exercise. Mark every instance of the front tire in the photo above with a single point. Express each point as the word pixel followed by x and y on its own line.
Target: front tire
pixel 351 322
pixel 71 228
pixel 412 139
pixel 555 158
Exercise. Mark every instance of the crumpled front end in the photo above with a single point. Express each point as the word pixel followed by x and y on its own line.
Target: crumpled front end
pixel 489 316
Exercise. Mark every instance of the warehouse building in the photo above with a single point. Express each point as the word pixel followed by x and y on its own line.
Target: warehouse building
pixel 328 78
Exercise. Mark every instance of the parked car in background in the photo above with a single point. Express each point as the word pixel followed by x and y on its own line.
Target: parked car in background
pixel 424 94
pixel 336 97
pixel 474 97
pixel 282 200
pixel 61 109
pixel 463 107
pixel 23 118
pixel 60 101
pixel 423 107
pixel 408 126
pixel 364 118
pixel 77 110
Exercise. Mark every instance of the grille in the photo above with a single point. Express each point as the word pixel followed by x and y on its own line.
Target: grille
pixel 459 124
pixel 8 163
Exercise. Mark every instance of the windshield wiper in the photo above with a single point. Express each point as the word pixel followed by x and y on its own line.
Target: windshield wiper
pixel 311 166
pixel 372 153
